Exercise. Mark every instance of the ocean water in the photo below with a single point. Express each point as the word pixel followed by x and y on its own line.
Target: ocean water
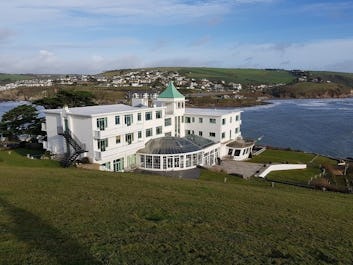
pixel 8 105
pixel 323 126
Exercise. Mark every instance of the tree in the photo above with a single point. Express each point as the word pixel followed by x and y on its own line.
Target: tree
pixel 19 121
pixel 66 97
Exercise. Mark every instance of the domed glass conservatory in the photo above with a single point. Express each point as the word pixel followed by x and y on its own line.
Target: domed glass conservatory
pixel 175 153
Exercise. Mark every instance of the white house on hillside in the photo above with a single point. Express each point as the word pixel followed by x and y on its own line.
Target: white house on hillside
pixel 157 134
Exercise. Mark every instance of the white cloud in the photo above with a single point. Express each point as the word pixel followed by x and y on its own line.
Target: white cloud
pixel 46 56
pixel 95 12
pixel 320 55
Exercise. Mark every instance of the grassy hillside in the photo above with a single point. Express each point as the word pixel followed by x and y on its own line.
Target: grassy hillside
pixel 311 90
pixel 243 76
pixel 69 216
pixel 8 78
pixel 336 77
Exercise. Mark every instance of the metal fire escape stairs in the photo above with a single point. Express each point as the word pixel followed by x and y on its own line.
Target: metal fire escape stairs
pixel 78 148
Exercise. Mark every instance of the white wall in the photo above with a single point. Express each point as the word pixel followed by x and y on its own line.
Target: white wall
pixel 56 143
pixel 206 127
pixel 281 167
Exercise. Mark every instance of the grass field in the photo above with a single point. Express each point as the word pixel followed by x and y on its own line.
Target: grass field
pixel 8 78
pixel 243 76
pixel 297 176
pixel 50 215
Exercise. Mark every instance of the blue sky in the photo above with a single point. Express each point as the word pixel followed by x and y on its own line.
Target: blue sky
pixel 91 36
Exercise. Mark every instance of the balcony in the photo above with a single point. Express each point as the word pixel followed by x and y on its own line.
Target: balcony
pixel 116 151
pixel 97 134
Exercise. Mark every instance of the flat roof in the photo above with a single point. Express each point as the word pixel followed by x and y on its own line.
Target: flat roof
pixel 241 143
pixel 210 112
pixel 99 109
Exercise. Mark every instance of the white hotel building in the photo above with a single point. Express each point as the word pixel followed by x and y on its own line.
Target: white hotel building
pixel 161 135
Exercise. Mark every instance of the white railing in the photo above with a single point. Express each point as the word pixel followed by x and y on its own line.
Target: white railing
pixel 100 155
pixel 44 127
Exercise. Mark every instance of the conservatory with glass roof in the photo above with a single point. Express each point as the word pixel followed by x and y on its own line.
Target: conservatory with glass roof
pixel 176 153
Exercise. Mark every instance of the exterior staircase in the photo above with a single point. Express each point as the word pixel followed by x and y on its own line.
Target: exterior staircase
pixel 78 149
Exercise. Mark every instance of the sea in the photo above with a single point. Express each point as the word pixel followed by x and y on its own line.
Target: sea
pixel 323 126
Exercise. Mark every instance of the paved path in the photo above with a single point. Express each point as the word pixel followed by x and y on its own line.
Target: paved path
pixel 245 169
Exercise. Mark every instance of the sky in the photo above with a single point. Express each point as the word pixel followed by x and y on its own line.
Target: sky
pixel 91 36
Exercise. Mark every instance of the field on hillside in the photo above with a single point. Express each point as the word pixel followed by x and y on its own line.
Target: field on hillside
pixel 8 78
pixel 237 75
pixel 311 90
pixel 50 215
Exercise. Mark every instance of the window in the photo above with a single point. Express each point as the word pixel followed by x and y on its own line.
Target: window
pixel 188 161
pixel 148 161
pixel 200 120
pixel 102 123
pixel 142 161
pixel 128 119
pixel 159 130
pixel 179 105
pixel 187 119
pixel 118 164
pixel 230 120
pixel 167 122
pixel 139 134
pixel 176 161
pixel 237 152
pixel 156 162
pixel 236 130
pixel 192 132
pixel 118 139
pixel 212 120
pixel 230 151
pixel 148 116
pixel 212 134
pixel 237 117
pixel 129 138
pixel 139 116
pixel 223 121
pixel 182 119
pixel 194 159
pixel 149 132
pixel 193 119
pixel 187 132
pixel 117 120
pixel 102 144
pixel 106 166
pixel 223 135
pixel 158 114
pixel 200 133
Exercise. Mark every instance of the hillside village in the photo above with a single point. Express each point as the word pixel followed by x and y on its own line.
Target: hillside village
pixel 133 78
pixel 234 87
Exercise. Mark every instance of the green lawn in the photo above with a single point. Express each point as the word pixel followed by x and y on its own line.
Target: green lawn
pixel 298 176
pixel 50 215
pixel 18 158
